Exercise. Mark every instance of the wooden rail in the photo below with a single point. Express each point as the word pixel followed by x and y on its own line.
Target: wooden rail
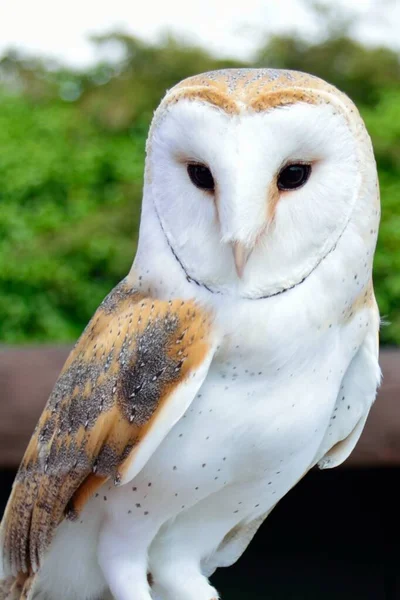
pixel 27 376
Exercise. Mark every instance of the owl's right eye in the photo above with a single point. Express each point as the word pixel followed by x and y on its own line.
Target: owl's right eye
pixel 201 176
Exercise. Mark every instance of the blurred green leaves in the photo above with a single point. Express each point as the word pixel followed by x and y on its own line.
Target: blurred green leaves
pixel 71 168
pixel 69 197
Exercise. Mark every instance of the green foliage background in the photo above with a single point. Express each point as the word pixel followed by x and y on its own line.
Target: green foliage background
pixel 71 165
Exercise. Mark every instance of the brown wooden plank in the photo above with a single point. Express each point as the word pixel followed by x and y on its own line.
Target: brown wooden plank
pixel 27 375
pixel 379 444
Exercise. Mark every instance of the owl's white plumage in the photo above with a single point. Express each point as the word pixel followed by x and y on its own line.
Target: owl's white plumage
pixel 291 365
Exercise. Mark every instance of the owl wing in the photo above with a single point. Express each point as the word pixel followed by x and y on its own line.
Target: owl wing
pixel 129 379
pixel 356 396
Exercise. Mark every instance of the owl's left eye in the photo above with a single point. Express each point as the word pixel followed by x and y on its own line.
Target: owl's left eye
pixel 201 176
pixel 293 176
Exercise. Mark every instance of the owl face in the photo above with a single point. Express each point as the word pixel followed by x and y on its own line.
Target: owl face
pixel 251 201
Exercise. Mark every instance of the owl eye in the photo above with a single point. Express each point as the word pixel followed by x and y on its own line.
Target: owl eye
pixel 201 176
pixel 293 176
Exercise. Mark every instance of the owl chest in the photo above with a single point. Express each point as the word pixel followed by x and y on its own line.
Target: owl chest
pixel 248 426
pixel 242 424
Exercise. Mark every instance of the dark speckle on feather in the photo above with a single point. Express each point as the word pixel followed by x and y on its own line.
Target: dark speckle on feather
pixel 142 389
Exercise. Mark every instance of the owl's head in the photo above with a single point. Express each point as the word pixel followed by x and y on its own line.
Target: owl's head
pixel 255 176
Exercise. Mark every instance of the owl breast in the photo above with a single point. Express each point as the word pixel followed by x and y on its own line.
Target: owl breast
pixel 243 426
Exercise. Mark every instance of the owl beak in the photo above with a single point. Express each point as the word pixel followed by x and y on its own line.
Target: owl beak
pixel 241 255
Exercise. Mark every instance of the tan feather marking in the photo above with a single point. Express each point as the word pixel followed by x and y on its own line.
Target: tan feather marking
pixel 207 94
pixel 274 99
pixel 249 85
pixel 131 356
pixel 91 484
pixel 273 197
pixel 365 299
pixel 262 102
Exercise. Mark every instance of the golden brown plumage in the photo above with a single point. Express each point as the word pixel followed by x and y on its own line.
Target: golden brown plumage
pixel 131 357
pixel 258 89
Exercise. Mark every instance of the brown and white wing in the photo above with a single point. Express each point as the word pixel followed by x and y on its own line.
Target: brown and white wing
pixel 129 379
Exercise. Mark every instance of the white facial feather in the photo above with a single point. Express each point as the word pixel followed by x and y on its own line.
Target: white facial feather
pixel 245 153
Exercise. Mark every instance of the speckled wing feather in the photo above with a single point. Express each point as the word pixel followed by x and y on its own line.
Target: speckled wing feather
pixel 117 385
pixel 17 588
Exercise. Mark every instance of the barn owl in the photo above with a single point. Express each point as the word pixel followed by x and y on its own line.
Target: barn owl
pixel 240 351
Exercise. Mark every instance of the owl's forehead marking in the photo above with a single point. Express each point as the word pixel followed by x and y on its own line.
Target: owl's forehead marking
pixel 238 81
pixel 257 89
